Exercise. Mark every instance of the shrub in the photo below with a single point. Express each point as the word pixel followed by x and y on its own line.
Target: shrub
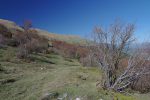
pixel 88 61
pixel 6 37
pixel 143 83
pixel 12 42
pixel 65 49
pixel 5 32
pixel 82 53
pixel 70 50
pixel 2 39
pixel 29 42
pixel 22 52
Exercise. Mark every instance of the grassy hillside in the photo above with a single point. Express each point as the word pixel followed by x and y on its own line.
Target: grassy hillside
pixel 62 37
pixel 14 28
pixel 51 73
pixel 33 71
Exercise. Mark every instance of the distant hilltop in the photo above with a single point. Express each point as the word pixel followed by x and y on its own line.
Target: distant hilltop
pixel 14 28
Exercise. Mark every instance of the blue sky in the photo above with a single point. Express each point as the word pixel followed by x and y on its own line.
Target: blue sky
pixel 78 16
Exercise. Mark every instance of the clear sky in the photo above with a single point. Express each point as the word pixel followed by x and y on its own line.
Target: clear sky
pixel 78 16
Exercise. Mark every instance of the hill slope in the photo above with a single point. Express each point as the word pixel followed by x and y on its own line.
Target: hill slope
pixel 13 27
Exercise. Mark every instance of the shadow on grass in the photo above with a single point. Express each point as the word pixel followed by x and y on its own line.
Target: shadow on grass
pixel 53 55
pixel 5 81
pixel 41 59
pixel 3 47
pixel 69 60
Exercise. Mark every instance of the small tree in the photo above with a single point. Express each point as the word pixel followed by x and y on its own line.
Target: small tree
pixel 112 46
pixel 27 25
pixel 30 41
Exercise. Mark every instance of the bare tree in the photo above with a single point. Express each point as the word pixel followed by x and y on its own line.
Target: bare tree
pixel 113 46
pixel 27 25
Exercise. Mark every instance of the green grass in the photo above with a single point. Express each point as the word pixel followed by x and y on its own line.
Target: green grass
pixel 51 73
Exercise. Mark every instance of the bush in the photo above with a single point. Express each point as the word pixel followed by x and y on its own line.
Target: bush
pixel 12 42
pixel 6 37
pixel 22 52
pixel 30 42
pixel 65 49
pixel 5 32
pixel 81 53
pixel 143 83
pixel 2 39
pixel 88 61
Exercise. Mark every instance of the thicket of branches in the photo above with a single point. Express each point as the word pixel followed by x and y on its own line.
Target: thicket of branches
pixel 111 47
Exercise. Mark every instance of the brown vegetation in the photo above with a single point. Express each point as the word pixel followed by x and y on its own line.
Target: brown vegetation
pixel 27 41
pixel 30 42
pixel 142 84
pixel 82 53
pixel 65 49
